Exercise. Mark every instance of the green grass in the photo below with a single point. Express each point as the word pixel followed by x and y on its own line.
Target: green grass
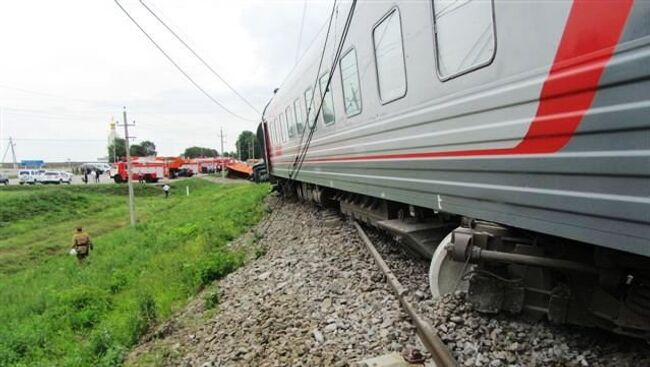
pixel 56 312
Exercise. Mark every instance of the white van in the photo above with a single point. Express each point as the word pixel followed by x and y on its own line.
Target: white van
pixel 28 176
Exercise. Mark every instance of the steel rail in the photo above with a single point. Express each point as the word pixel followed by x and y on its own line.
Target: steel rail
pixel 427 333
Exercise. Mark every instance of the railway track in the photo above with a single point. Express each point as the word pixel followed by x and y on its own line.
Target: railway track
pixel 317 298
pixel 438 350
pixel 474 339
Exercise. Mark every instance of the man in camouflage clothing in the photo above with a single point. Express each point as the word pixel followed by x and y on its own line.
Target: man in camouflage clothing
pixel 82 244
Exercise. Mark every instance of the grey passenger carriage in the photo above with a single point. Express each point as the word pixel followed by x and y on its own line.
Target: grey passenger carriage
pixel 503 139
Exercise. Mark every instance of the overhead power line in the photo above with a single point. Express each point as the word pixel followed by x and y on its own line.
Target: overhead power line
pixel 301 155
pixel 199 57
pixel 178 66
pixel 302 27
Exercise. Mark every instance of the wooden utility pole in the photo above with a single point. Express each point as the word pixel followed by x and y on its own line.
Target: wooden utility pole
pixel 128 170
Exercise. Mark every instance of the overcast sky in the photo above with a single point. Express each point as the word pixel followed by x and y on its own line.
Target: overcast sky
pixel 68 66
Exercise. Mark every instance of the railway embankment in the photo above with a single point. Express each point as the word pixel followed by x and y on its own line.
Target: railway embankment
pixel 314 297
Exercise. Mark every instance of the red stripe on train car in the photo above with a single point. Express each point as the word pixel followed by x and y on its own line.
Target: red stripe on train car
pixel 590 36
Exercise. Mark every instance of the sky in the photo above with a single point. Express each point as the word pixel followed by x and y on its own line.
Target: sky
pixel 68 67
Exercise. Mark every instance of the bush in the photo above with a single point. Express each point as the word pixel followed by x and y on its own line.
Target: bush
pixel 217 265
pixel 211 299
pixel 147 314
pixel 86 305
pixel 114 356
pixel 118 282
pixel 100 342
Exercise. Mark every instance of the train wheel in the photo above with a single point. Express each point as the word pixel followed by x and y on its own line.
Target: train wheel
pixel 445 274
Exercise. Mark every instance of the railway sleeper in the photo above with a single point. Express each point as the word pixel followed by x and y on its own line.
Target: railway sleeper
pixel 505 269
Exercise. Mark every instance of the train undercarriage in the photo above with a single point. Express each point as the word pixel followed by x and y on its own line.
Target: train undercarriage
pixel 505 269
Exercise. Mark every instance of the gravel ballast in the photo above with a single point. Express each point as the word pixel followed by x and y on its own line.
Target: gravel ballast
pixel 316 298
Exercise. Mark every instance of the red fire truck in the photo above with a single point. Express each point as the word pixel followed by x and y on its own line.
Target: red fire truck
pixel 150 171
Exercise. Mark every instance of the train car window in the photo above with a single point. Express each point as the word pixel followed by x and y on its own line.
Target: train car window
pixel 291 126
pixel 465 38
pixel 276 136
pixel 389 57
pixel 310 107
pixel 285 129
pixel 282 127
pixel 300 115
pixel 350 83
pixel 327 110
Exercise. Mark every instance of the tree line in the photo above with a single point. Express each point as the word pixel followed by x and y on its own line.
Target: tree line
pixel 247 146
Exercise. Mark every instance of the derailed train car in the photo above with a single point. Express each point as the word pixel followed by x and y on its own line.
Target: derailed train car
pixel 507 141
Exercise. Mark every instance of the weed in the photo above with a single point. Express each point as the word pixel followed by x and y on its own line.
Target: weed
pixel 211 299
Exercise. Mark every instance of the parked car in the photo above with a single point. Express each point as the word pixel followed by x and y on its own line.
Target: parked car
pixel 66 177
pixel 28 176
pixel 101 167
pixel 184 172
pixel 54 177
pixel 4 179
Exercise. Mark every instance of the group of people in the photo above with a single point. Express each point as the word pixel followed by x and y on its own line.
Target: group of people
pixel 91 173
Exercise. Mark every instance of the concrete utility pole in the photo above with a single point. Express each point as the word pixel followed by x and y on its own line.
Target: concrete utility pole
pixel 1 138
pixel 223 168
pixel 13 153
pixel 9 146
pixel 128 170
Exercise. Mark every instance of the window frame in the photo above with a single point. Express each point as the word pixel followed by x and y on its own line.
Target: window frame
pixel 356 60
pixel 437 51
pixel 288 111
pixel 274 135
pixel 296 105
pixel 282 127
pixel 374 52
pixel 308 112
pixel 323 97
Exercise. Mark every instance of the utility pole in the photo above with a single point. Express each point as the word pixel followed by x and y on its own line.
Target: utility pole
pixel 223 168
pixel 10 145
pixel 13 152
pixel 1 139
pixel 128 170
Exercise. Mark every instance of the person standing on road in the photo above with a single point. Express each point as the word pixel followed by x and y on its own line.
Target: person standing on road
pixel 166 190
pixel 85 176
pixel 82 244
pixel 97 176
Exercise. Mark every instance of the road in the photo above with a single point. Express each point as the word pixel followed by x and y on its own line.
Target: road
pixel 76 180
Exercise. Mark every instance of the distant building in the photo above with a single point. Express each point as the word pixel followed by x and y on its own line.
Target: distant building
pixel 112 134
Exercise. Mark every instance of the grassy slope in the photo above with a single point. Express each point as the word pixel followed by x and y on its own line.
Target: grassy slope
pixel 55 312
pixel 24 239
